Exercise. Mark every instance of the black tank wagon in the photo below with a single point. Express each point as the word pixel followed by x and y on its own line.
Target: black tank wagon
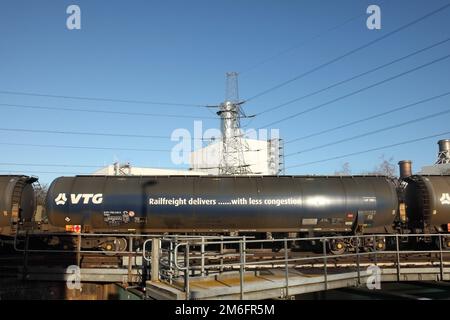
pixel 427 199
pixel 203 204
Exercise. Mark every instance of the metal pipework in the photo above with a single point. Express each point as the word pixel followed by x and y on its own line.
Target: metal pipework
pixel 444 145
pixel 405 167
pixel 444 151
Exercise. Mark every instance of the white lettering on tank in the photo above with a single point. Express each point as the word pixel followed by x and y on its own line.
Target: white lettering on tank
pixel 97 199
pixel 75 198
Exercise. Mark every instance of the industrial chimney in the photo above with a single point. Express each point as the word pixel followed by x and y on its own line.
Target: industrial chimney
pixel 405 168
pixel 444 152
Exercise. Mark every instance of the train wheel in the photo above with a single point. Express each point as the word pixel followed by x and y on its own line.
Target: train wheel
pixel 381 243
pixel 445 243
pixel 337 246
pixel 116 244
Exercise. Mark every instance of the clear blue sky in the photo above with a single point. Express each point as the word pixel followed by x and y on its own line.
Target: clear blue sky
pixel 179 51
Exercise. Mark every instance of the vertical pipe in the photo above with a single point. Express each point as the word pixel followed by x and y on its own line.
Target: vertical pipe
pixel 155 259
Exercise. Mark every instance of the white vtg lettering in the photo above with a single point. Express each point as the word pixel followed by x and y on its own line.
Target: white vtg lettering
pixel 85 198
pixel 96 198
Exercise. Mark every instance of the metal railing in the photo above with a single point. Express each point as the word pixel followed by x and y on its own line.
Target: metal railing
pixel 181 258
pixel 71 243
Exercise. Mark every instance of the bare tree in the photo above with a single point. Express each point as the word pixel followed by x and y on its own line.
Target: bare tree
pixel 386 167
pixel 344 171
pixel 41 193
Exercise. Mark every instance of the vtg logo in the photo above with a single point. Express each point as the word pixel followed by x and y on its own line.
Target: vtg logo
pixel 445 198
pixel 75 198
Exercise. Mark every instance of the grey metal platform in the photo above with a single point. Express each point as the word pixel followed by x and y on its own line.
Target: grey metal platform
pixel 271 284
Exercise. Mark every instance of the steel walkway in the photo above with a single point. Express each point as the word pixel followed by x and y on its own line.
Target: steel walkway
pixel 271 284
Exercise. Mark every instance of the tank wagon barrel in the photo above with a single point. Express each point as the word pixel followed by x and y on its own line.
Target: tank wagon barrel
pixel 318 204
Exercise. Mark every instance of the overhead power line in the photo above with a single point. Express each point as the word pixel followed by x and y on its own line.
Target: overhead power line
pixel 38 172
pixel 81 147
pixel 395 126
pixel 48 165
pixel 298 45
pixel 349 52
pixel 359 91
pixel 354 77
pixel 174 104
pixel 65 165
pixel 348 124
pixel 370 150
pixel 121 113
pixel 95 134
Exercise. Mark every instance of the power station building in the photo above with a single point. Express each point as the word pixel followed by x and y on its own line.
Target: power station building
pixel 262 157
pixel 442 165
pixel 125 169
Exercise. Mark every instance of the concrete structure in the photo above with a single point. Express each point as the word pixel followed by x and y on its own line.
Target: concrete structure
pixel 442 165
pixel 436 169
pixel 262 157
pixel 120 170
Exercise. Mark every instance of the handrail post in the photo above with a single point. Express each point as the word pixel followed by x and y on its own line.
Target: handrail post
pixel 221 253
pixel 175 257
pixel 186 272
pixel 25 256
pixel 155 259
pixel 325 271
pixel 286 262
pixel 202 256
pixel 441 257
pixel 375 250
pixel 358 262
pixel 170 257
pixel 145 262
pixel 79 250
pixel 130 257
pixel 242 266
pixel 397 244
